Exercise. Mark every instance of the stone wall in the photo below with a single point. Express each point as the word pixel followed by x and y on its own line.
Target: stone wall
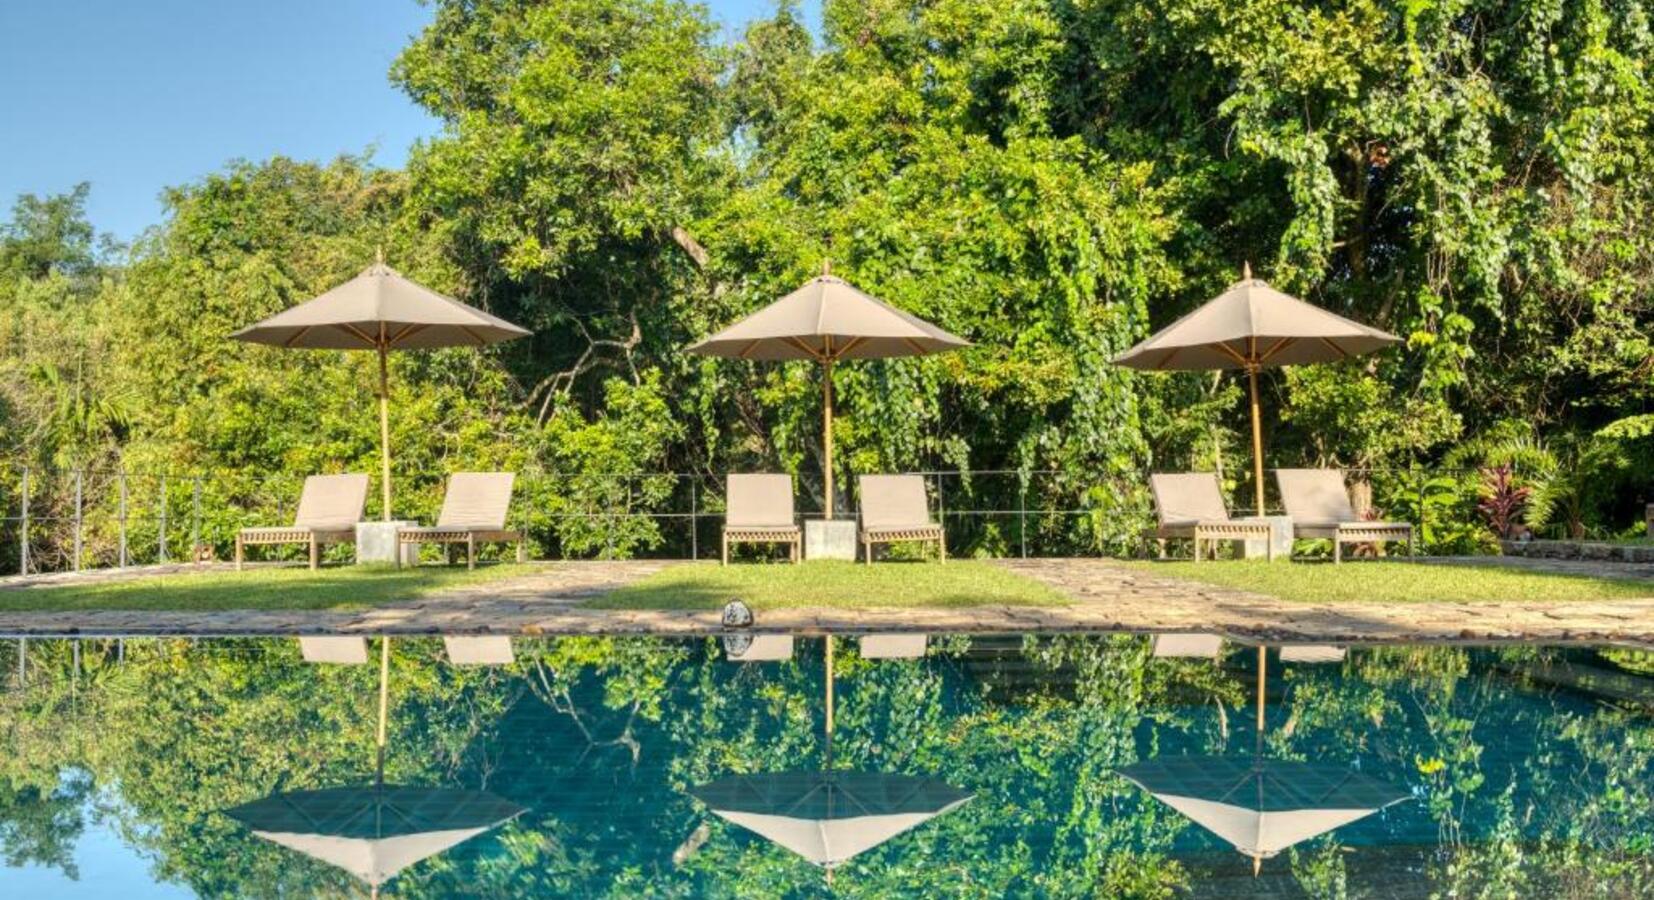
pixel 1606 551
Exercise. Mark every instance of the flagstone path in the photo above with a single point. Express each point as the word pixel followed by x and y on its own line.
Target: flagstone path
pixel 1106 597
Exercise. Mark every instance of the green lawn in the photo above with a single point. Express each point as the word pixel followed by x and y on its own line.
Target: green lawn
pixel 342 588
pixel 842 585
pixel 1396 582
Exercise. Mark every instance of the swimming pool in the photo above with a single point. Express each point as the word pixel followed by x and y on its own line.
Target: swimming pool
pixel 955 766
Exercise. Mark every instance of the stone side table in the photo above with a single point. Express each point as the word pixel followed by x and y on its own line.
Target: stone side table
pixel 376 544
pixel 1280 536
pixel 830 539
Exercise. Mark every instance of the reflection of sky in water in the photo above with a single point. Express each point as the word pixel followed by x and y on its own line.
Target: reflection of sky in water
pixel 1502 749
pixel 107 867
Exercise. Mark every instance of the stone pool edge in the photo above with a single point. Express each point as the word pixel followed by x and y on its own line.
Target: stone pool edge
pixel 1106 598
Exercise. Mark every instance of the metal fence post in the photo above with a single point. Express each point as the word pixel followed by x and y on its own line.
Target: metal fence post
pixel 122 516
pixel 941 503
pixel 161 531
pixel 1022 510
pixel 1418 488
pixel 195 519
pixel 80 518
pixel 23 533
pixel 694 522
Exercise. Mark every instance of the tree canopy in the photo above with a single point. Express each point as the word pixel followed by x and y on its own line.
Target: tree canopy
pixel 1051 180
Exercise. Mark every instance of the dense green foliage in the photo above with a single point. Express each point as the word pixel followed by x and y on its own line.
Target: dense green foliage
pixel 1049 179
pixel 1519 789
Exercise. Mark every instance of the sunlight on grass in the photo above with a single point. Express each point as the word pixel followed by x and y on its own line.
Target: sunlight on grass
pixel 1396 582
pixel 343 588
pixel 842 585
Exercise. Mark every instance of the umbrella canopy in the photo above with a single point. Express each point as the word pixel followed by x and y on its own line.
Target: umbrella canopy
pixel 382 311
pixel 828 320
pixel 1262 806
pixel 829 817
pixel 1250 326
pixel 374 832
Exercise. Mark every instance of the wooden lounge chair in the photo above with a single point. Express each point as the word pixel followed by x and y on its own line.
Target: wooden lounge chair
pixel 1319 505
pixel 329 508
pixel 473 512
pixel 894 508
pixel 760 511
pixel 1190 506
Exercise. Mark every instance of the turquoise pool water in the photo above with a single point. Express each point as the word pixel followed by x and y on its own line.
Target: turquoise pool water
pixel 1002 766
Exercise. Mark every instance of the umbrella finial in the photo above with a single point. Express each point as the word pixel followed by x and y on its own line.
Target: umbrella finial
pixel 1246 271
pixel 826 267
pixel 379 254
pixel 1257 866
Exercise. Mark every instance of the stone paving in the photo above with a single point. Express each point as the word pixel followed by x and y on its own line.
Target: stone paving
pixel 1106 597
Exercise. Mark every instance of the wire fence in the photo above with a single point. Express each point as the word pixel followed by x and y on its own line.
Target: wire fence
pixel 73 520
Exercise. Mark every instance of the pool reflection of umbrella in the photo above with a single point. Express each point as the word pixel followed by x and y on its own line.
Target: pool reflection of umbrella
pixel 829 816
pixel 374 832
pixel 377 831
pixel 1262 806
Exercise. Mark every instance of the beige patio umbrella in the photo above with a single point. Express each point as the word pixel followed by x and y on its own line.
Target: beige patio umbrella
pixel 380 310
pixel 828 320
pixel 1249 326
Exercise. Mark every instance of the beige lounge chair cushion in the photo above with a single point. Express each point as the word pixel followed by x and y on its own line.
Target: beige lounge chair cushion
pixel 1188 498
pixel 760 501
pixel 764 648
pixel 1315 497
pixel 894 502
pixel 476 501
pixel 331 502
pixel 338 650
pixel 483 650
pixel 893 646
pixel 1187 646
pixel 1313 654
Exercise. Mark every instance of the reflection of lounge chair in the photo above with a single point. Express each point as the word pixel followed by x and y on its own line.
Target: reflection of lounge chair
pixel 1187 646
pixel 758 647
pixel 329 508
pixel 483 650
pixel 760 511
pixel 473 512
pixel 1190 506
pixel 894 508
pixel 893 646
pixel 1312 654
pixel 1319 505
pixel 337 650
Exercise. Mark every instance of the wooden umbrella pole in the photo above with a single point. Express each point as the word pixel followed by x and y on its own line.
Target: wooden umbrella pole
pixel 827 430
pixel 1257 437
pixel 384 435
pixel 829 701
pixel 1262 662
pixel 384 704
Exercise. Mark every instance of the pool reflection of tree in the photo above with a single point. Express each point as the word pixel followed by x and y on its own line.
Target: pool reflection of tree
pixel 1521 789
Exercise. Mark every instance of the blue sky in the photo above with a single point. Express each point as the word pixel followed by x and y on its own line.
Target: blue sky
pixel 137 96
